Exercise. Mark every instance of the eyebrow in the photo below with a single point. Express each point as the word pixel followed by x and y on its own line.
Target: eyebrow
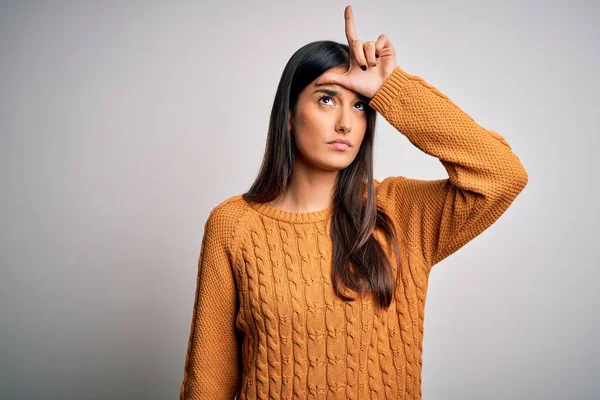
pixel 335 93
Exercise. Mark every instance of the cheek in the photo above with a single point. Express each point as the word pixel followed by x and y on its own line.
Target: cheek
pixel 313 122
pixel 310 133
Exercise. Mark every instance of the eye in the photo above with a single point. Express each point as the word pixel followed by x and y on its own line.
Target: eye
pixel 363 106
pixel 325 97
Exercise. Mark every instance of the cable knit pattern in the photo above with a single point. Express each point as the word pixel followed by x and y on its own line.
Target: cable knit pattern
pixel 266 322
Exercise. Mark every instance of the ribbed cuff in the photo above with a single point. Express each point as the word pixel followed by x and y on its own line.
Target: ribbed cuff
pixel 386 93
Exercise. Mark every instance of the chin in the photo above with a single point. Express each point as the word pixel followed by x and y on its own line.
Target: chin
pixel 336 166
pixel 330 163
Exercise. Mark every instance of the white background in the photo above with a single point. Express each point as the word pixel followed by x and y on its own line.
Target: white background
pixel 123 123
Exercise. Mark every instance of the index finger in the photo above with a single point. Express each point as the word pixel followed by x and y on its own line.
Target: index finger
pixel 350 32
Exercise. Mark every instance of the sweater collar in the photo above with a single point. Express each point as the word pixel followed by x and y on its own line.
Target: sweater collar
pixel 292 217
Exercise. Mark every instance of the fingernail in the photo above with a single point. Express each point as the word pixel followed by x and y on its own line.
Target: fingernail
pixel 363 67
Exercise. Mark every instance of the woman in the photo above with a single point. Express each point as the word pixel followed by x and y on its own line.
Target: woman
pixel 313 283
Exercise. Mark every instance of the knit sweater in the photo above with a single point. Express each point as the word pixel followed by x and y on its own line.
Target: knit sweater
pixel 266 322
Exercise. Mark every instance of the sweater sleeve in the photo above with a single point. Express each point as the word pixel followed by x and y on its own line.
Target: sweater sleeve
pixel 437 217
pixel 212 361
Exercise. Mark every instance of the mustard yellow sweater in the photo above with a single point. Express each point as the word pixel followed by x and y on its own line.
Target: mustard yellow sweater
pixel 266 323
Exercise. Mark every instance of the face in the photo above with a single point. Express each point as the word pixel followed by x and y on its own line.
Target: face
pixel 323 114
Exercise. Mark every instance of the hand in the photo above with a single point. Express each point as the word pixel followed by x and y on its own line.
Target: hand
pixel 379 59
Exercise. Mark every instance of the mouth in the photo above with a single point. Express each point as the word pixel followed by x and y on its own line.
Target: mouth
pixel 341 141
pixel 339 145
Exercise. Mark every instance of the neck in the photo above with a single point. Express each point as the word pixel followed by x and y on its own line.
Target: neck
pixel 310 189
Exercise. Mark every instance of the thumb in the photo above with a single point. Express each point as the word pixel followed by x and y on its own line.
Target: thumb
pixel 333 78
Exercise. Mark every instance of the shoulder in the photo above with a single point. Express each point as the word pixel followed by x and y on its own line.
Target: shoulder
pixel 400 189
pixel 229 211
pixel 389 185
pixel 412 200
pixel 401 195
pixel 230 208
pixel 225 219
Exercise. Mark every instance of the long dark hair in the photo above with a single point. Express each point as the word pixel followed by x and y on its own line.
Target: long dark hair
pixel 359 261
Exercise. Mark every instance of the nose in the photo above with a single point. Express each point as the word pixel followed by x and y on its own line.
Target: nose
pixel 344 122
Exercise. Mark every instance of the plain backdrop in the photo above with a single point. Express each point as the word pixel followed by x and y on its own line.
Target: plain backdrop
pixel 124 123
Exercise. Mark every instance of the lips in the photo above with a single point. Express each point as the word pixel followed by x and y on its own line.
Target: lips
pixel 341 141
pixel 340 146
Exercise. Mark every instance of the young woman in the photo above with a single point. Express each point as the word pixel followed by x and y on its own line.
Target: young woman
pixel 313 283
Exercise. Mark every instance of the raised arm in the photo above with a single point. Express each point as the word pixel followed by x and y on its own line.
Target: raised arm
pixel 212 366
pixel 438 217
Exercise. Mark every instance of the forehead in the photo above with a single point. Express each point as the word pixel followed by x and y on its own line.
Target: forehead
pixel 332 89
pixel 340 69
